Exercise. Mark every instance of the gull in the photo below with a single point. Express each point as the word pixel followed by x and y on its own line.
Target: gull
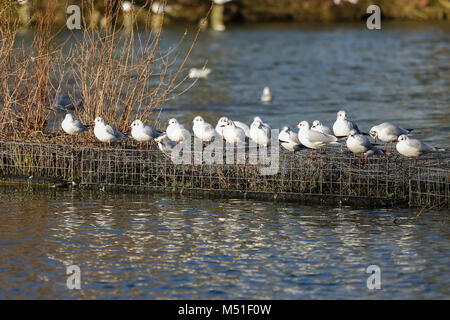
pixel 318 126
pixel 360 144
pixel 409 147
pixel 221 1
pixel 195 73
pixel 266 96
pixel 72 126
pixel 342 126
pixel 260 132
pixel 106 133
pixel 203 130
pixel 177 132
pixel 143 133
pixel 313 139
pixel 165 144
pixel 387 132
pixel 289 140
pixel 222 123
pixel 263 123
pixel 233 134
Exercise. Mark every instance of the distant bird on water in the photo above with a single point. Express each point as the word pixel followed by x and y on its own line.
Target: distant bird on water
pixel 266 95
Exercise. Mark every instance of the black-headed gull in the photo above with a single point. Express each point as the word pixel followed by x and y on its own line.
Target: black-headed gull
pixel 289 140
pixel 165 144
pixel 409 147
pixel 203 130
pixel 342 126
pixel 195 73
pixel 106 133
pixel 360 144
pixel 266 95
pixel 387 132
pixel 260 133
pixel 72 126
pixel 143 133
pixel 177 132
pixel 222 123
pixel 318 126
pixel 314 139
pixel 233 134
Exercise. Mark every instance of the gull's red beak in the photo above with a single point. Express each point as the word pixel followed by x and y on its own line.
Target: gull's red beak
pixel 296 126
pixel 395 141
pixel 375 139
pixel 192 122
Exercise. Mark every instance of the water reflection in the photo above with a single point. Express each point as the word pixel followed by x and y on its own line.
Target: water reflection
pixel 159 246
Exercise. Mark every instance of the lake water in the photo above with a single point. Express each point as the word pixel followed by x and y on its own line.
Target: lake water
pixel 159 246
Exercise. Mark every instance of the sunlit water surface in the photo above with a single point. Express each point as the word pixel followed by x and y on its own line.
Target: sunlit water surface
pixel 158 246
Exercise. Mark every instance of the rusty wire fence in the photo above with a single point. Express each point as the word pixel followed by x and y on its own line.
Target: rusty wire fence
pixel 335 177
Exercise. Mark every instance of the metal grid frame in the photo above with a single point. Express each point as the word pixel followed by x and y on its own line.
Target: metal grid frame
pixel 330 177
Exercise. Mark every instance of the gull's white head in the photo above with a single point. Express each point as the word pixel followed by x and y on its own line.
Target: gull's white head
pixel 352 133
pixel 69 116
pixel 198 119
pixel 99 120
pixel 137 123
pixel 316 124
pixel 342 115
pixel 403 137
pixel 222 122
pixel 266 91
pixel 286 129
pixel 373 133
pixel 302 125
pixel 126 6
pixel 172 121
pixel 257 122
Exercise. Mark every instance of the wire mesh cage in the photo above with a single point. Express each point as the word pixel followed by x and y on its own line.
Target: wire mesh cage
pixel 331 177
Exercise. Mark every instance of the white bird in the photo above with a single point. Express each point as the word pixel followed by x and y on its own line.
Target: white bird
pixel 357 143
pixel 72 126
pixel 143 133
pixel 195 73
pixel 360 144
pixel 233 134
pixel 342 126
pixel 413 148
pixel 318 126
pixel 203 130
pixel 266 95
pixel 177 132
pixel 106 133
pixel 387 132
pixel 289 140
pixel 313 139
pixel 165 144
pixel 221 1
pixel 265 124
pixel 260 133
pixel 222 123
